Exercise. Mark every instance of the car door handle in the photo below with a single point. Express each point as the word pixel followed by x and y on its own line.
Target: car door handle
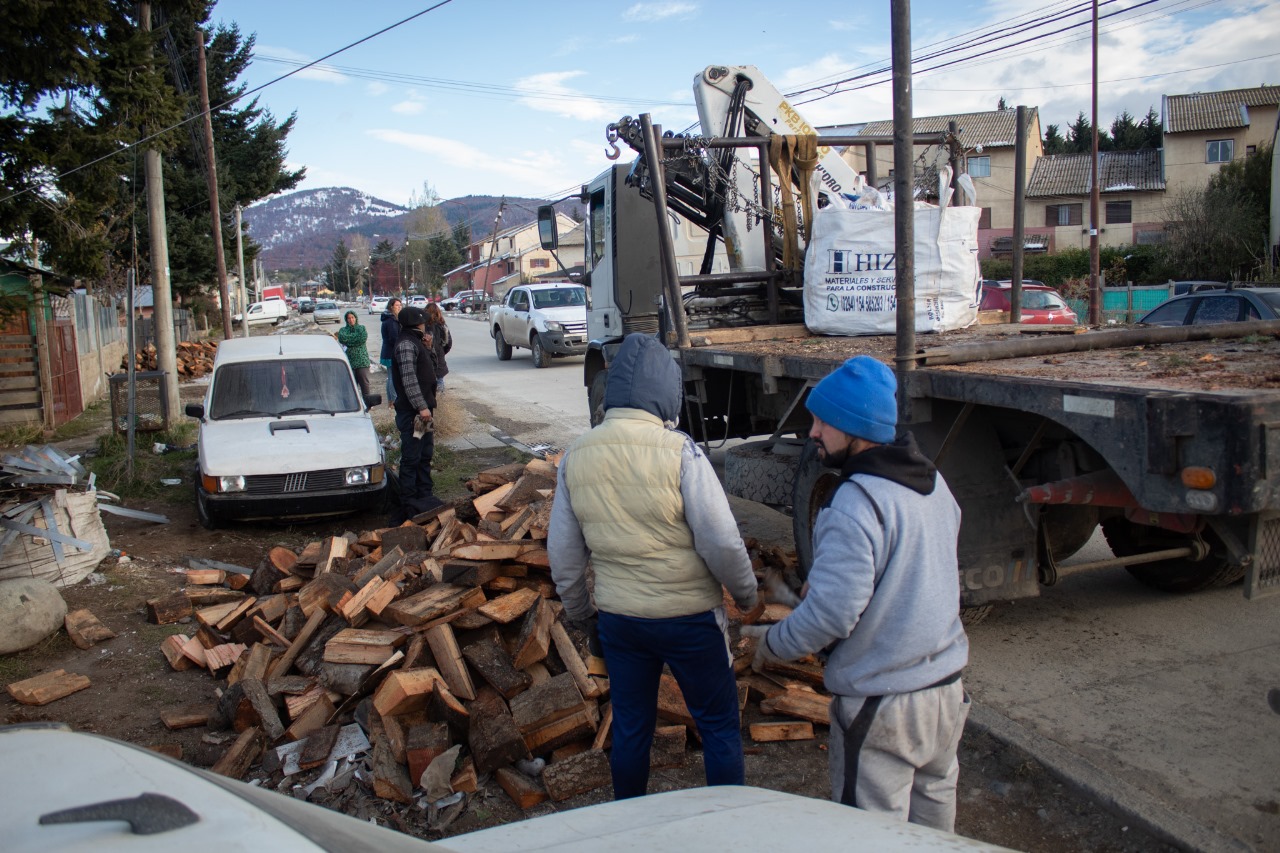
pixel 146 814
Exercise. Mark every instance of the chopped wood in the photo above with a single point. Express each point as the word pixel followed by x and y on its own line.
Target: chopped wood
pixel 449 661
pixel 577 774
pixel 432 603
pixel 405 690
pixel 316 748
pixel 545 703
pixel 493 663
pixel 269 633
pixel 526 490
pixel 324 593
pixel 185 718
pixel 510 607
pixel 310 556
pixel 384 567
pixel 169 609
pixel 502 474
pixel 379 600
pixel 354 609
pixel 760 687
pixel 226 623
pixel 668 747
pixel 409 537
pixel 424 743
pixel 282 559
pixel 390 778
pixel 171 648
pixel 270 607
pixel 502 584
pixel 84 629
pixel 252 665
pixel 283 665
pixel 771 732
pixel 469 572
pixel 445 706
pixel 543 467
pixel 290 685
pixel 579 726
pixel 289 584
pixel 209 616
pixel 314 716
pixel 237 760
pixel 172 750
pixel 486 502
pixel 494 739
pixel 534 639
pixel 237 581
pixel 259 709
pixel 203 596
pixel 397 729
pixel 538 672
pixel 522 790
pixel 297 704
pixel 266 577
pixel 535 556
pixel 193 650
pixel 471 620
pixel 334 548
pixel 207 577
pixel 809 672
pixel 671 704
pixel 573 662
pixel 464 779
pixel 803 704
pixel 568 750
pixel 486 551
pixel 222 657
pixel 606 726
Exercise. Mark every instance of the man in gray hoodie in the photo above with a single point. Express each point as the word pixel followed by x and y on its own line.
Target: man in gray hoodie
pixel 640 502
pixel 884 597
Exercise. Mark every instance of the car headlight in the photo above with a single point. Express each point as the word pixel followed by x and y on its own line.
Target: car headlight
pixel 357 476
pixel 553 326
pixel 234 483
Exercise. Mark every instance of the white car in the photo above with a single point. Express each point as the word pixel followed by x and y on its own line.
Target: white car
pixel 417 301
pixel 379 304
pixel 269 311
pixel 284 433
pixel 327 311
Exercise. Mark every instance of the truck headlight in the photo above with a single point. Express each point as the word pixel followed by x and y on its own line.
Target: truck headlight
pixel 553 326
pixel 357 476
pixel 234 483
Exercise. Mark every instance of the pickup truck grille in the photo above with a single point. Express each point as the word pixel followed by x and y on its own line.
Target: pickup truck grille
pixel 575 328
pixel 305 481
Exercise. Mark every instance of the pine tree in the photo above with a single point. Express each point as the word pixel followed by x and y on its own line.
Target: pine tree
pixel 1053 141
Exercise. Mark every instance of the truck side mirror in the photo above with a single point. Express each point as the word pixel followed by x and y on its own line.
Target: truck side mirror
pixel 547 235
pixel 195 410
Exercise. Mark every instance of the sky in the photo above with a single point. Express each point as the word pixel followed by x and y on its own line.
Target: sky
pixel 511 97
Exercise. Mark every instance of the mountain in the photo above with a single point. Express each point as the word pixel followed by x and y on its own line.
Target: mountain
pixel 299 230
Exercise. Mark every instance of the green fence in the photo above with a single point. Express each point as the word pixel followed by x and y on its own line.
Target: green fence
pixel 1124 304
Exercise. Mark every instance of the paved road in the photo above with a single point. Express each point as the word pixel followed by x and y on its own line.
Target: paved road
pixel 1165 693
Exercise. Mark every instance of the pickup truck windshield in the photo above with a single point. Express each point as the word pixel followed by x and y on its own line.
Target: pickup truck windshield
pixel 285 387
pixel 561 296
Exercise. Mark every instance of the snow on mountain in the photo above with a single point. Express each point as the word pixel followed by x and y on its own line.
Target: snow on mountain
pixel 298 216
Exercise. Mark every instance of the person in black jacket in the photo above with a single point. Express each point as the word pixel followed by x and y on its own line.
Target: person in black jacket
pixel 441 340
pixel 390 333
pixel 413 373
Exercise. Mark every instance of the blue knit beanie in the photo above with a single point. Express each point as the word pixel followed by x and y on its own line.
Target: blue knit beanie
pixel 860 399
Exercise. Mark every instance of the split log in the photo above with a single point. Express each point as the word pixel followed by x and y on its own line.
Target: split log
pixel 318 745
pixel 362 646
pixel 405 690
pixel 449 661
pixel 522 790
pixel 465 779
pixel 237 760
pixel 494 739
pixel 324 593
pixel 489 500
pixel 511 607
pixel 396 729
pixel 606 726
pixel 85 629
pixel 258 710
pixel 282 559
pixel 390 778
pixel 283 665
pixel 172 650
pixel 314 717
pixel 579 726
pixel 671 704
pixel 803 704
pixel 424 744
pixel 807 671
pixel 668 747
pixel 493 663
pixel 577 774
pixel 408 537
pixel 573 662
pixel 206 577
pixel 169 609
pixel 534 639
pixel 445 706
pixel 334 548
pixel 433 603
pixel 185 718
pixel 771 732
pixel 265 577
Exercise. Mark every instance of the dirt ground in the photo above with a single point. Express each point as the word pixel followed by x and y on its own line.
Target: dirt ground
pixel 1005 797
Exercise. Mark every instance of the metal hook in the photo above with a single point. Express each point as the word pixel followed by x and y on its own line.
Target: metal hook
pixel 611 136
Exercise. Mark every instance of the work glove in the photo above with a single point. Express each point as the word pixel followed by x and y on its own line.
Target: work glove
pixel 764 654
pixel 591 627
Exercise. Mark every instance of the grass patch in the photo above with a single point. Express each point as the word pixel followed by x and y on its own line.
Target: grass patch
pixel 111 464
pixel 92 419
pixel 1176 361
pixel 21 435
pixel 20 665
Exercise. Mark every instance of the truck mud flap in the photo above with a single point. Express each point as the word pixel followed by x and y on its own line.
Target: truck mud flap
pixel 1262 576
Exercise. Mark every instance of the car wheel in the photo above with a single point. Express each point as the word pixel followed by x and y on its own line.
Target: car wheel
pixel 541 358
pixel 501 345
pixel 204 514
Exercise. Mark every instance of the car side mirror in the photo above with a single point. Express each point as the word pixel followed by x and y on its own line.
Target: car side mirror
pixel 195 410
pixel 547 232
pixel 371 400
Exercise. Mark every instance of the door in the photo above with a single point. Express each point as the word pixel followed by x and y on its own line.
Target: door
pixel 65 368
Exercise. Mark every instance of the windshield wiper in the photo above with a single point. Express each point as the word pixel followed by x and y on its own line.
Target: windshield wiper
pixel 243 413
pixel 304 410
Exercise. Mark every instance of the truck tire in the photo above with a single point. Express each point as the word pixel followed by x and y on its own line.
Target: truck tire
pixel 1182 575
pixel 501 345
pixel 541 358
pixel 757 472
pixel 595 396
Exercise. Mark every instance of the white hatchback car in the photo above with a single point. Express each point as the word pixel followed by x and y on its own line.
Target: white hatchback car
pixel 378 305
pixel 327 311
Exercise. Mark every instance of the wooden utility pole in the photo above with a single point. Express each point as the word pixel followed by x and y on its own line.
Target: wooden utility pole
pixel 1019 214
pixel 1095 252
pixel 493 245
pixel 244 290
pixel 161 293
pixel 211 172
pixel 904 231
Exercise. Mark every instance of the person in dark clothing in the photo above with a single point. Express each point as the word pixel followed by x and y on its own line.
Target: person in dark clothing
pixel 442 342
pixel 390 334
pixel 413 373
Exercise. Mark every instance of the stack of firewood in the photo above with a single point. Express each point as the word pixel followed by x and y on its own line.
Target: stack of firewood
pixel 195 358
pixel 449 625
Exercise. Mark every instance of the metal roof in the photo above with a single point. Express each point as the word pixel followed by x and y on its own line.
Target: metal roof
pixel 1118 171
pixel 993 129
pixel 1216 110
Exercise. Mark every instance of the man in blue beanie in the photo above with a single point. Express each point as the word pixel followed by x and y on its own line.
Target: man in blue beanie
pixel 884 595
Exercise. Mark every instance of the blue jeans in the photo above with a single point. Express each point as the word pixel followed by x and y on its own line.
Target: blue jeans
pixel 391 388
pixel 696 650
pixel 416 487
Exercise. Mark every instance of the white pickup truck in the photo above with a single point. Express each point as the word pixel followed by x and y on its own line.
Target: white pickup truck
pixel 549 319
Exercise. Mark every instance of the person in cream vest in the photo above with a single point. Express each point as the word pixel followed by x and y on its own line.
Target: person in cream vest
pixel 639 503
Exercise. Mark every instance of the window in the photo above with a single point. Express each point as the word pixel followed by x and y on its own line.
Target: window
pixel 985 220
pixel 274 388
pixel 1217 309
pixel 1062 214
pixel 1219 150
pixel 520 300
pixel 1250 149
pixel 1119 212
pixel 539 263
pixel 979 167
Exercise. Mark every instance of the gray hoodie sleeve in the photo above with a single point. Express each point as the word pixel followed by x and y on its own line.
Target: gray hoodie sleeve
pixel 715 532
pixel 568 554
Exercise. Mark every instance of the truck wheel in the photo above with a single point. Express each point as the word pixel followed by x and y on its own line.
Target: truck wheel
pixel 1182 575
pixel 203 514
pixel 762 472
pixel 501 345
pixel 595 396
pixel 814 485
pixel 541 358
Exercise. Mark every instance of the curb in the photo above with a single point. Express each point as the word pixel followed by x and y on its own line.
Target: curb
pixel 1115 795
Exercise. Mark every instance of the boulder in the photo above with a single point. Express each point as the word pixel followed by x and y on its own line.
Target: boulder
pixel 30 610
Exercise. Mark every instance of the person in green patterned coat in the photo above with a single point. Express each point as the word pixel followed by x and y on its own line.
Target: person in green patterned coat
pixel 353 337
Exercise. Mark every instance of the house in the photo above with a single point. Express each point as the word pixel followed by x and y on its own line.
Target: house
pixel 988 139
pixel 514 256
pixel 1203 130
pixel 1132 207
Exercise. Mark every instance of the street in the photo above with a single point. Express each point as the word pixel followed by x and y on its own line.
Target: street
pixel 1165 695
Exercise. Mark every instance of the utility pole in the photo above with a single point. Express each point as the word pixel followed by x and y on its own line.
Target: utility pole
pixel 212 174
pixel 161 293
pixel 1095 256
pixel 493 245
pixel 244 290
pixel 1019 214
pixel 904 231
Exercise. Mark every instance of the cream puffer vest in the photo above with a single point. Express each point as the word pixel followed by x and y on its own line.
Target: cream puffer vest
pixel 624 479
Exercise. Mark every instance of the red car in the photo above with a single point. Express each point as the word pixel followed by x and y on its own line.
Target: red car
pixel 1040 304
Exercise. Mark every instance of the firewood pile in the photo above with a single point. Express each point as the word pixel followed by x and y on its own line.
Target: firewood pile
pixel 439 649
pixel 195 358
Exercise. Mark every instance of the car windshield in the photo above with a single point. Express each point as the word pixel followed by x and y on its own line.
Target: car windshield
pixel 559 297
pixel 1273 299
pixel 280 387
pixel 331 306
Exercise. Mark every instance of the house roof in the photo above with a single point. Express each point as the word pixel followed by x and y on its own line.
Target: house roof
pixel 994 129
pixel 1216 110
pixel 1118 171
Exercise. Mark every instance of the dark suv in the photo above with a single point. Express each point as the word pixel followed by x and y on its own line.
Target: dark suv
pixel 474 303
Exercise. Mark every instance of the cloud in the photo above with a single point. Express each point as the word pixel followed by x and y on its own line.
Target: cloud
pixel 486 169
pixel 649 12
pixel 292 59
pixel 547 93
pixel 376 88
pixel 411 105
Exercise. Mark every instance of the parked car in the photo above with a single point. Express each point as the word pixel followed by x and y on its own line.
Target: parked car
pixel 306 305
pixel 549 319
pixel 378 304
pixel 417 301
pixel 474 303
pixel 1040 304
pixel 271 311
pixel 452 303
pixel 284 433
pixel 327 311
pixel 1204 306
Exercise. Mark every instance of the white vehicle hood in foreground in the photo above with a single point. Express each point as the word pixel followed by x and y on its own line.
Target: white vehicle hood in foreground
pixel 248 446
pixel 565 313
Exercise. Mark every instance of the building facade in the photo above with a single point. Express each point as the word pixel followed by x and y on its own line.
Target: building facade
pixel 1132 208
pixel 1204 130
